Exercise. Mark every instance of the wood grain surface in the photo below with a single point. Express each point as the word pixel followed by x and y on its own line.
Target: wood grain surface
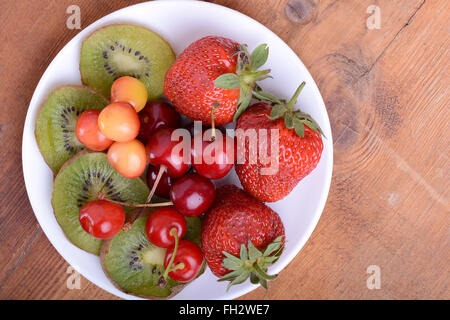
pixel 387 95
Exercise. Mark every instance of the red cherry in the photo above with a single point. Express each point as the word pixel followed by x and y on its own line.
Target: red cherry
pixel 165 182
pixel 157 115
pixel 213 159
pixel 159 227
pixel 190 127
pixel 102 219
pixel 88 132
pixel 159 151
pixel 192 194
pixel 187 262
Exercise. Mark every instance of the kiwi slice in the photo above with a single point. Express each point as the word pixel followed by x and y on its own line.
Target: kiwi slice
pixel 81 180
pixel 125 50
pixel 56 121
pixel 135 265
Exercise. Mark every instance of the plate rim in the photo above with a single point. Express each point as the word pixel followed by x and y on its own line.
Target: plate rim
pixel 329 165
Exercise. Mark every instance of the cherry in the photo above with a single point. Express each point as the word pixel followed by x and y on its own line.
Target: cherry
pixel 119 121
pixel 214 157
pixel 128 158
pixel 190 127
pixel 192 194
pixel 164 225
pixel 130 90
pixel 88 132
pixel 101 218
pixel 183 263
pixel 165 182
pixel 157 115
pixel 159 151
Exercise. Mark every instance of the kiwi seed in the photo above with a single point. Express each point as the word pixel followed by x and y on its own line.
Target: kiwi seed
pixel 56 122
pixel 82 179
pixel 135 265
pixel 125 50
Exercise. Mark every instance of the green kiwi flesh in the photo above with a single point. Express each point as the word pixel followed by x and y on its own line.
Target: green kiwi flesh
pixel 82 180
pixel 56 121
pixel 135 265
pixel 125 50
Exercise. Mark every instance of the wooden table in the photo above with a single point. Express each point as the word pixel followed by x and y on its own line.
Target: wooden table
pixel 387 95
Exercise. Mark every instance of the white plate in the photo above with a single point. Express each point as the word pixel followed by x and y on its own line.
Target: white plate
pixel 180 23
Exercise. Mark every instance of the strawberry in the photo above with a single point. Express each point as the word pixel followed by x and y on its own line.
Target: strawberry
pixel 214 70
pixel 300 147
pixel 234 230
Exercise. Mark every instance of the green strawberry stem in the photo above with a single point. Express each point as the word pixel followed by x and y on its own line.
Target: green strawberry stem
pixel 252 263
pixel 262 274
pixel 295 96
pixel 293 119
pixel 250 77
pixel 246 75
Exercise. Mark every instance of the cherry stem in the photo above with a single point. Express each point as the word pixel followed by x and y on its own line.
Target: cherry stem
pixel 137 205
pixel 295 96
pixel 174 233
pixel 162 169
pixel 214 105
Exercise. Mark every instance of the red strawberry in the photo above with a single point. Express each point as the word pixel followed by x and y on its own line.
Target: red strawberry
pixel 214 69
pixel 234 231
pixel 300 148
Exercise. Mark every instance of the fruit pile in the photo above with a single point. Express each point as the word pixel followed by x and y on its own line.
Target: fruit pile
pixel 125 188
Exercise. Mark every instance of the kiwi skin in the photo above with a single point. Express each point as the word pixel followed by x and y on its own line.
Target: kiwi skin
pixel 75 157
pixel 67 163
pixel 46 158
pixel 104 250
